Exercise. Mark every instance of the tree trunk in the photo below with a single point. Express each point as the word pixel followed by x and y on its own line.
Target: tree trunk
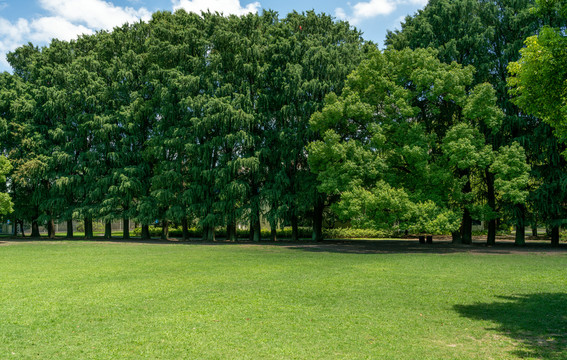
pixel 126 228
pixel 466 228
pixel 251 236
pixel 185 228
pixel 273 232
pixel 456 235
pixel 70 229
pixel 51 229
pixel 231 231
pixel 21 227
pixel 15 228
pixel 211 234
pixel 520 226
pixel 534 230
pixel 491 195
pixel 257 229
pixel 491 237
pixel 107 230
pixel 294 228
pixel 89 228
pixel 35 229
pixel 145 232
pixel 165 230
pixel 555 235
pixel 318 219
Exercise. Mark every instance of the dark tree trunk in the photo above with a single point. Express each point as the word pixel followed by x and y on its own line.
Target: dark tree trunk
pixel 145 232
pixel 534 230
pixel 251 236
pixel 273 232
pixel 21 222
pixel 491 195
pixel 185 227
pixel 126 228
pixel 89 228
pixel 70 229
pixel 466 228
pixel 456 236
pixel 520 226
pixel 231 231
pixel 491 237
pixel 15 228
pixel 318 219
pixel 51 229
pixel 466 223
pixel 555 235
pixel 211 234
pixel 165 230
pixel 257 228
pixel 294 228
pixel 34 229
pixel 108 230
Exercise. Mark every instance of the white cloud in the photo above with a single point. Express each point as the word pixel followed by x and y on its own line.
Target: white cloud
pixel 12 35
pixel 95 14
pixel 46 28
pixel 64 20
pixel 222 6
pixel 369 9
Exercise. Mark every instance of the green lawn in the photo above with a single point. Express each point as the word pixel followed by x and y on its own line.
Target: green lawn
pixel 86 300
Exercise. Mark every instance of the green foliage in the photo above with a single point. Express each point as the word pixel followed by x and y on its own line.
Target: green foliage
pixel 184 116
pixel 465 148
pixel 6 205
pixel 537 82
pixel 381 152
pixel 512 173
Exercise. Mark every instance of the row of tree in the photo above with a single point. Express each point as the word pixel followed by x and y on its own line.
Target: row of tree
pixel 217 120
pixel 185 117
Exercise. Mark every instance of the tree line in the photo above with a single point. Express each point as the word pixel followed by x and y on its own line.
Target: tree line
pixel 217 120
pixel 183 118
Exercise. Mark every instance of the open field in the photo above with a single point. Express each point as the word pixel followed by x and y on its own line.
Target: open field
pixel 347 300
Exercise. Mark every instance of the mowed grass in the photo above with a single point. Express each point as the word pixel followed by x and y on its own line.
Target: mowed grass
pixel 85 300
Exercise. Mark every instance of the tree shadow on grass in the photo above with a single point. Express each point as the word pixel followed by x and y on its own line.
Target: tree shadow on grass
pixel 538 322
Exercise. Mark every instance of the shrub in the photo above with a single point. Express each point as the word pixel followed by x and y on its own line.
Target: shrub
pixel 350 233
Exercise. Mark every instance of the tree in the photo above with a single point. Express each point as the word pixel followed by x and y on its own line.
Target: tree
pixel 512 178
pixel 537 81
pixel 381 151
pixel 537 86
pixel 488 35
pixel 311 56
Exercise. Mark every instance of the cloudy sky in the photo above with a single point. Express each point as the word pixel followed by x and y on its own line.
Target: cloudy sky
pixel 39 21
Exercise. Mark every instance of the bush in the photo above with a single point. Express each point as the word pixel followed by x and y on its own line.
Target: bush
pixel 350 233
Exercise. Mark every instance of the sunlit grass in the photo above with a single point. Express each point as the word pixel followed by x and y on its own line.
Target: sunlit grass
pixel 85 300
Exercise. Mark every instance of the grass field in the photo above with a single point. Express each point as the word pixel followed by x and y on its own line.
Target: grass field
pixel 96 300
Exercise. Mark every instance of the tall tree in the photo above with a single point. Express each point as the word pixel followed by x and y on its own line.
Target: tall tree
pixel 382 152
pixel 488 35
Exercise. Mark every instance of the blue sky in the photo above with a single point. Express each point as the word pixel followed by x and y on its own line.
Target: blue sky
pixel 39 21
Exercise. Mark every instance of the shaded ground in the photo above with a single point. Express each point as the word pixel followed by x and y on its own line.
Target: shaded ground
pixel 537 321
pixel 441 245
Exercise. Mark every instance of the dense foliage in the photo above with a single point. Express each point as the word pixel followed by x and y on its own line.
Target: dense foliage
pixel 488 34
pixel 185 119
pixel 212 122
